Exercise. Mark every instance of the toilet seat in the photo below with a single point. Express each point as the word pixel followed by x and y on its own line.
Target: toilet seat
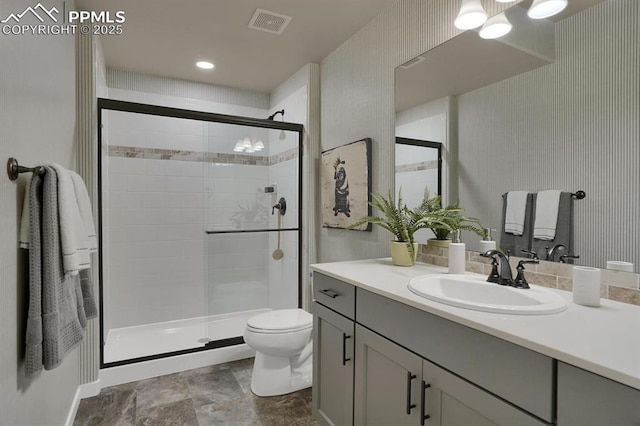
pixel 281 321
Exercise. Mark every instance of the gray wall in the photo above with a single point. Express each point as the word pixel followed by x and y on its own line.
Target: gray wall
pixel 570 125
pixel 37 121
pixel 357 92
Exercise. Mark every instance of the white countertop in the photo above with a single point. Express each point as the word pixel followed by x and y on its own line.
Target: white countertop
pixel 604 340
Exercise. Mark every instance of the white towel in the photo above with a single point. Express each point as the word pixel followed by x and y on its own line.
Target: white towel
pixel 84 206
pixel 24 220
pixel 74 241
pixel 544 227
pixel 515 214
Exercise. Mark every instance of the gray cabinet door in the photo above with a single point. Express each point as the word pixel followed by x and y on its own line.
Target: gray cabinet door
pixel 586 399
pixel 387 382
pixel 452 401
pixel 333 337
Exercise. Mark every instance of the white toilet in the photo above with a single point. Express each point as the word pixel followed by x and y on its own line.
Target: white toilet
pixel 283 344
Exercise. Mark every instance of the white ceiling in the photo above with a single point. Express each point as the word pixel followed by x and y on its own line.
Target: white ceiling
pixel 166 37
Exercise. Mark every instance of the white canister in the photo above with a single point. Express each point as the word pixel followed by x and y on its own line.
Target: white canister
pixel 619 265
pixel 457 253
pixel 586 286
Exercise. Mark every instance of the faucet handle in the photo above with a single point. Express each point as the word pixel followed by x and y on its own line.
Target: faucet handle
pixel 530 253
pixel 521 281
pixel 568 256
pixel 494 276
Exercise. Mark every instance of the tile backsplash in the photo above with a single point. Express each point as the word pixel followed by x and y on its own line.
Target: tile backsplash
pixel 616 285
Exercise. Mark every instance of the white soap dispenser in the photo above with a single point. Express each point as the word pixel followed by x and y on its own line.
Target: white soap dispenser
pixel 457 253
pixel 487 243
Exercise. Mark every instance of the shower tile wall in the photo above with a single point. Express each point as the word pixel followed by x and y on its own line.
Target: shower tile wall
pixel 162 266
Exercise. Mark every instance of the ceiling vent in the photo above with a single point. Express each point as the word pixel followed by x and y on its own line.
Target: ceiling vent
pixel 268 21
pixel 412 62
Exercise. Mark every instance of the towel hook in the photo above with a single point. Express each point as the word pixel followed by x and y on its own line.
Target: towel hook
pixel 14 169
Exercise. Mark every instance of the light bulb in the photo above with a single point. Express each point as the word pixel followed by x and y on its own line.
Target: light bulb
pixel 541 9
pixel 495 27
pixel 246 143
pixel 205 65
pixel 238 147
pixel 258 146
pixel 471 15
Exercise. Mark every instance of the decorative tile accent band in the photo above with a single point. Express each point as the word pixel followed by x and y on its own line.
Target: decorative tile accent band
pixel 616 285
pixel 203 157
pixel 414 167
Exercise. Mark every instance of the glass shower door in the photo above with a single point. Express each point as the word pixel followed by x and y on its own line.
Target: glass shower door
pixel 252 230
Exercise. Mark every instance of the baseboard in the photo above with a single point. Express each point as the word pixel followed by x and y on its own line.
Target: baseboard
pixel 83 391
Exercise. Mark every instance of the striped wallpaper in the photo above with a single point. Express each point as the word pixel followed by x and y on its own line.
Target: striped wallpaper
pixel 357 92
pixel 129 80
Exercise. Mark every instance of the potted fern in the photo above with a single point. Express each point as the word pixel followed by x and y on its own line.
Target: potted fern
pixel 403 223
pixel 454 219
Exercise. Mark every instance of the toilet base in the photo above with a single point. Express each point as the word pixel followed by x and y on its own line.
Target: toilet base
pixel 275 376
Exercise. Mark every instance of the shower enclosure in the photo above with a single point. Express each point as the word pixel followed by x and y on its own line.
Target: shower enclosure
pixel 200 227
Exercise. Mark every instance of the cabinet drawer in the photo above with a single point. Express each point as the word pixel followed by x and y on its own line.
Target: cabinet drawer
pixel 334 294
pixel 519 375
pixel 586 399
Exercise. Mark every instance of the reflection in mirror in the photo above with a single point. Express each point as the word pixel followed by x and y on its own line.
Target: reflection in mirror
pixel 526 117
pixel 418 168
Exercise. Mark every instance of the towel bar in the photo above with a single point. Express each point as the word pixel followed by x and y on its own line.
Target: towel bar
pixel 578 195
pixel 14 169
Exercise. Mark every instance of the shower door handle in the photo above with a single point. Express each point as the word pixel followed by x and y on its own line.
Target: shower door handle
pixel 344 349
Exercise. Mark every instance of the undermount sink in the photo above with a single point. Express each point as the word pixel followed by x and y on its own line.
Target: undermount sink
pixel 473 292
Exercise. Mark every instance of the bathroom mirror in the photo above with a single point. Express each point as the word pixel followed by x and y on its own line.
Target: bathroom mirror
pixel 553 105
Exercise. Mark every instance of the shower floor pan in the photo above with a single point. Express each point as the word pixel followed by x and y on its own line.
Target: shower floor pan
pixel 170 336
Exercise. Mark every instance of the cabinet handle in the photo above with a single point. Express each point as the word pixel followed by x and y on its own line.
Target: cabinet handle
pixel 423 402
pixel 344 349
pixel 410 377
pixel 327 292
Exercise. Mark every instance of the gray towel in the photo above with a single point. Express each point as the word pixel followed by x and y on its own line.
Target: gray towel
pixel 516 243
pixel 564 230
pixel 56 305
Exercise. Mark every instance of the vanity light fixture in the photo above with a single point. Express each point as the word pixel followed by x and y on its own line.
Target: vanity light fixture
pixel 541 9
pixel 471 15
pixel 496 26
pixel 205 65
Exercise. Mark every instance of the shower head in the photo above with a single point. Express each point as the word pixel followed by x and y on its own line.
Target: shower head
pixel 272 116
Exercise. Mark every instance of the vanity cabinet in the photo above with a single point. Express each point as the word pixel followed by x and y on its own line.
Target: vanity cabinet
pixel 372 358
pixel 586 399
pixel 394 386
pixel 333 354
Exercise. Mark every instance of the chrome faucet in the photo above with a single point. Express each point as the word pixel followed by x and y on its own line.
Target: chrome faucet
pixel 505 277
pixel 552 252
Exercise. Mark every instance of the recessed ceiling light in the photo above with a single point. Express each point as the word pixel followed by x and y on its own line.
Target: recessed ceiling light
pixel 205 65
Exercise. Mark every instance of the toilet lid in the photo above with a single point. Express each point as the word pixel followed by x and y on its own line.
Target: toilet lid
pixel 282 320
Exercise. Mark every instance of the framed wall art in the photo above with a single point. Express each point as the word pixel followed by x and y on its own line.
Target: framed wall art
pixel 345 184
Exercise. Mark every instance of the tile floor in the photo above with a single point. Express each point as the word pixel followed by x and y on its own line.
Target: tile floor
pixel 215 395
